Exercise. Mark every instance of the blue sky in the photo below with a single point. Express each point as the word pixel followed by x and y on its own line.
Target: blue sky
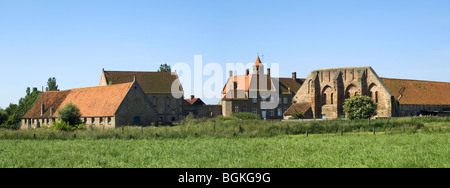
pixel 73 40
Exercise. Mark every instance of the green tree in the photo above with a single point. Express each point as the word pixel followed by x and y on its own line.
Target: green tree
pixel 25 104
pixel 3 116
pixel 360 107
pixel 51 85
pixel 11 109
pixel 70 114
pixel 297 115
pixel 164 68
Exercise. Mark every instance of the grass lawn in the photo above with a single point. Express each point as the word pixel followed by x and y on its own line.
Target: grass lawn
pixel 285 151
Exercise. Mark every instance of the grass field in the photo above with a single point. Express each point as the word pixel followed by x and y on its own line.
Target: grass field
pixel 420 150
pixel 228 143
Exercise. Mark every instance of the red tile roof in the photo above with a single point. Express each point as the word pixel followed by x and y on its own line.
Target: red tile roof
pixel 258 61
pixel 151 82
pixel 244 83
pixel 196 101
pixel 419 92
pixel 100 101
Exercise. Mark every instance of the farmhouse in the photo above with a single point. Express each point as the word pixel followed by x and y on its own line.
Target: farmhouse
pixel 101 106
pixel 324 93
pixel 199 109
pixel 157 86
pixel 243 93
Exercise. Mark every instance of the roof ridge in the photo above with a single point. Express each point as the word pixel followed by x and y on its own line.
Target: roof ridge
pixel 414 80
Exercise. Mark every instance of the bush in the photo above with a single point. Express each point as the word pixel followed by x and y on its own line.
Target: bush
pixel 245 115
pixel 297 115
pixel 70 114
pixel 65 126
pixel 360 107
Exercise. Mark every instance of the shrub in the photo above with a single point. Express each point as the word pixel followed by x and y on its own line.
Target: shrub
pixel 65 126
pixel 297 115
pixel 70 114
pixel 360 107
pixel 245 115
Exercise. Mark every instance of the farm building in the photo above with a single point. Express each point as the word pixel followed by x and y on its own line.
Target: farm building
pixel 245 93
pixel 324 93
pixel 101 106
pixel 157 86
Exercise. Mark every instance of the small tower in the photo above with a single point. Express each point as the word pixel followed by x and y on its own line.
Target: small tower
pixel 258 67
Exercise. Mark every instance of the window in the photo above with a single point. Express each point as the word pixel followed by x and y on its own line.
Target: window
pixel 101 121
pixel 254 100
pixel 285 100
pixel 85 120
pixel 244 108
pixel 280 113
pixel 272 112
pixel 280 100
pixel 324 99
pixel 376 96
pixel 284 110
pixel 108 120
pixel 236 109
pixel 255 111
pixel 332 98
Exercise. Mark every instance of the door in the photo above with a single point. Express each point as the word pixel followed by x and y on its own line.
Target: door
pixel 137 120
pixel 263 114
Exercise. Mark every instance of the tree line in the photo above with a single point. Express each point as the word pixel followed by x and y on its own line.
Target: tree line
pixel 11 116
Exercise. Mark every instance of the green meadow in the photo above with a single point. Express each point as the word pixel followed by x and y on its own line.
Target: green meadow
pixel 219 143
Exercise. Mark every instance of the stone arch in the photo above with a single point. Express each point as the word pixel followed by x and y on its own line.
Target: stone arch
pixel 351 91
pixel 373 92
pixel 327 92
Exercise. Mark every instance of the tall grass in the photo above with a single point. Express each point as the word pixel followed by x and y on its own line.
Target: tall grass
pixel 330 151
pixel 228 127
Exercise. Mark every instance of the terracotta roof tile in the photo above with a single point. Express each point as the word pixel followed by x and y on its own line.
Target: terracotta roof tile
pixel 419 92
pixel 100 101
pixel 196 101
pixel 258 61
pixel 299 107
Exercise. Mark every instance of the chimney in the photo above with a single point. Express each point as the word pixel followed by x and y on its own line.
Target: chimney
pixel 247 72
pixel 192 97
pixel 294 75
pixel 268 72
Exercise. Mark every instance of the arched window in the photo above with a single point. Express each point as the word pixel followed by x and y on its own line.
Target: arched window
pixel 324 99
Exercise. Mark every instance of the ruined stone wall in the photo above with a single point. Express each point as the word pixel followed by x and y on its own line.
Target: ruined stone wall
pixel 328 89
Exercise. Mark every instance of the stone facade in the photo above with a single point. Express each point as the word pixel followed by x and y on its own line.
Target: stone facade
pixel 326 91
pixel 157 87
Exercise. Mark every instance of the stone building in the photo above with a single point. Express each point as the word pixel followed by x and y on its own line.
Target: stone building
pixel 250 92
pixel 101 106
pixel 199 109
pixel 324 92
pixel 158 88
